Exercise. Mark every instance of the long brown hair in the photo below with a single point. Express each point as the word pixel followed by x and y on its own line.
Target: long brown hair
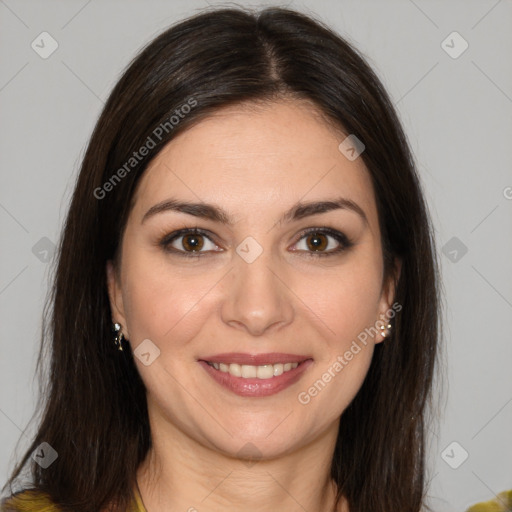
pixel 93 402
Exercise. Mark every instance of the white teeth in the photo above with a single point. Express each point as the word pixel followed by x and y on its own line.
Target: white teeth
pixel 234 369
pixel 278 369
pixel 247 371
pixel 265 372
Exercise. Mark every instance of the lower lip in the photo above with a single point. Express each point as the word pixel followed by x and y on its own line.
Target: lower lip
pixel 257 387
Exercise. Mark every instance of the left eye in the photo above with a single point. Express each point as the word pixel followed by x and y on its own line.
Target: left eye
pixel 321 242
pixel 190 242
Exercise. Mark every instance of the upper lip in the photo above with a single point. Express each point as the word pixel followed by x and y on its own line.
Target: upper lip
pixel 255 359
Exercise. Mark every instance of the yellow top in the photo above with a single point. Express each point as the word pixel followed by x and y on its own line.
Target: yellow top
pixel 138 500
pixel 501 503
pixel 36 501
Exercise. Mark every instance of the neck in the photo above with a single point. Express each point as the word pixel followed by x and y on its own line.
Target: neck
pixel 181 474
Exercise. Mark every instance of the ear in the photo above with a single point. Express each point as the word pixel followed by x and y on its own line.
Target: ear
pixel 116 298
pixel 387 298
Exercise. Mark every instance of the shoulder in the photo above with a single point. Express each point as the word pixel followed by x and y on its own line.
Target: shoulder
pixel 28 500
pixel 34 500
pixel 501 503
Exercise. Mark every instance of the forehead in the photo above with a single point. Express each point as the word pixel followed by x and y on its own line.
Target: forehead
pixel 257 158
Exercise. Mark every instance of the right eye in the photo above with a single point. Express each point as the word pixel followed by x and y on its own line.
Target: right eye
pixel 188 242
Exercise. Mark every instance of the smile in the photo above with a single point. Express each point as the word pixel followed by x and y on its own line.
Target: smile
pixel 246 371
pixel 255 375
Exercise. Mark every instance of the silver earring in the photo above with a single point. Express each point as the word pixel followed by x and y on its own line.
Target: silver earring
pixel 118 336
pixel 384 330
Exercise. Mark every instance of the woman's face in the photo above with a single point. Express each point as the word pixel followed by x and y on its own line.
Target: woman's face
pixel 253 281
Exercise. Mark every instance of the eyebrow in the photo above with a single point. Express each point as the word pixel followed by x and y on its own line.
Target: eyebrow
pixel 216 214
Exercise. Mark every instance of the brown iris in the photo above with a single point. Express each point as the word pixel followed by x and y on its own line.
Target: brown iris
pixel 193 242
pixel 317 244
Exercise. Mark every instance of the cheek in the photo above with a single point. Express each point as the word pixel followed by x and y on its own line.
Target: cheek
pixel 349 376
pixel 346 300
pixel 348 304
pixel 162 303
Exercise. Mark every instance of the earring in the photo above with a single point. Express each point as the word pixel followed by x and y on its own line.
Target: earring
pixel 384 330
pixel 118 336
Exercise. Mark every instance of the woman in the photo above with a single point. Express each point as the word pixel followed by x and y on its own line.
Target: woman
pixel 246 307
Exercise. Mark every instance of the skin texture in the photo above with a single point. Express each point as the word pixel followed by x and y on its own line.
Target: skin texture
pixel 255 163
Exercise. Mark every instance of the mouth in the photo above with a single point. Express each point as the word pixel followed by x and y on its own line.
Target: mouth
pixel 246 371
pixel 256 375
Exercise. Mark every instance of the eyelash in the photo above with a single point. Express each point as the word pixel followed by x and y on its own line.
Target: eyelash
pixel 341 238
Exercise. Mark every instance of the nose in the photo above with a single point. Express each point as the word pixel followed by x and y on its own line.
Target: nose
pixel 257 298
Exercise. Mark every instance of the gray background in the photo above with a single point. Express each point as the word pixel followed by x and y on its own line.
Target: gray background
pixel 456 112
